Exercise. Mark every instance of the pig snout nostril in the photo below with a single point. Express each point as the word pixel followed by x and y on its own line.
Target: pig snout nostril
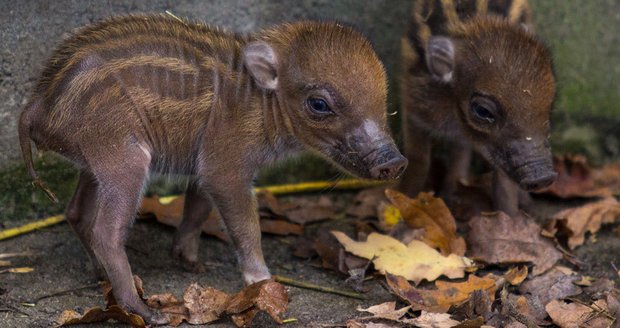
pixel 389 170
pixel 539 183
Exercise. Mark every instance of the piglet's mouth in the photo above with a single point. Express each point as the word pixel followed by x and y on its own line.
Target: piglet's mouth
pixel 535 176
pixel 383 163
pixel 387 164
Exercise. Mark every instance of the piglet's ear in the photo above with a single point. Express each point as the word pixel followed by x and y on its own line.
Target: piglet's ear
pixel 440 58
pixel 260 59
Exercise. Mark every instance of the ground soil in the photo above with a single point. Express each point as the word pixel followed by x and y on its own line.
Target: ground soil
pixel 60 264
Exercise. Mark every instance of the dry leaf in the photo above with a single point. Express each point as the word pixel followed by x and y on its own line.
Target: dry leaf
pixel 433 320
pixel 431 214
pixel 587 218
pixel 446 295
pixel 366 203
pixel 5 263
pixel 309 211
pixel 204 305
pixel 280 227
pixel 573 315
pixel 357 324
pixel 516 275
pixel 499 239
pixel 386 311
pixel 556 283
pixel 266 295
pixel 415 261
pixel 574 179
pixel 608 176
pixel 114 312
pixel 169 305
pixel 172 213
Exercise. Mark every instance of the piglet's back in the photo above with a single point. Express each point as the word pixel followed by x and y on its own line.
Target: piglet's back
pixel 152 79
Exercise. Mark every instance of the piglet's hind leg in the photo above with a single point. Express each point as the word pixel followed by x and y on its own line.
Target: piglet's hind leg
pixel 120 178
pixel 196 210
pixel 81 214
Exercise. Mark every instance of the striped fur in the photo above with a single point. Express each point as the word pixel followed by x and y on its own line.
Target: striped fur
pixel 139 94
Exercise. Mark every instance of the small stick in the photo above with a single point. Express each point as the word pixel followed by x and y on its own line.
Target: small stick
pixel 289 320
pixel 301 284
pixel 63 292
pixel 9 255
pixel 8 233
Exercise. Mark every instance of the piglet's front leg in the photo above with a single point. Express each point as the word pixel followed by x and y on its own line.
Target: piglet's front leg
pixel 238 207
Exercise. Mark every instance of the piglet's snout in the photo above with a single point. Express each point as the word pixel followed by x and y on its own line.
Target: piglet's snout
pixel 388 163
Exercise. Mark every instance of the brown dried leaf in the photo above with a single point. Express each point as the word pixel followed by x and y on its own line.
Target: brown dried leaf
pixel 574 179
pixel 114 312
pixel 578 221
pixel 172 213
pixel 516 275
pixel 415 261
pixel 608 176
pixel 432 320
pixel 266 295
pixel 204 305
pixel 168 304
pixel 366 202
pixel 569 315
pixel 280 227
pixel 446 295
pixel 557 283
pixel 499 239
pixel 386 311
pixel 306 211
pixel 432 214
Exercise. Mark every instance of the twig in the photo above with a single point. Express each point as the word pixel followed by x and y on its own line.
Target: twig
pixel 289 320
pixel 301 284
pixel 595 308
pixel 9 255
pixel 8 233
pixel 63 292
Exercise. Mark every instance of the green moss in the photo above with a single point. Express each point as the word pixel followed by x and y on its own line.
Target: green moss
pixel 584 39
pixel 20 200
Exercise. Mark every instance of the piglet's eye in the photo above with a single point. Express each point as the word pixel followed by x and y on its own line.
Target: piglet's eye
pixel 482 113
pixel 319 106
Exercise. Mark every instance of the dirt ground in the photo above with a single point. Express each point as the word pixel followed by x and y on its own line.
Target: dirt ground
pixel 60 264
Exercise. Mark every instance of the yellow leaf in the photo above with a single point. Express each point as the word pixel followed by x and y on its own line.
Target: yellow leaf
pixel 415 261
pixel 389 215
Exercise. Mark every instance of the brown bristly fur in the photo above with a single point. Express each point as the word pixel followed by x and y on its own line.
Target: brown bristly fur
pixel 490 52
pixel 139 94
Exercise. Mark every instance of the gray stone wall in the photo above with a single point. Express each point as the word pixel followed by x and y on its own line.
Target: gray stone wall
pixel 29 30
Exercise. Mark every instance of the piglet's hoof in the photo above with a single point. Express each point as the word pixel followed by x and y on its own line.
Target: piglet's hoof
pixel 188 256
pixel 194 267
pixel 152 316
